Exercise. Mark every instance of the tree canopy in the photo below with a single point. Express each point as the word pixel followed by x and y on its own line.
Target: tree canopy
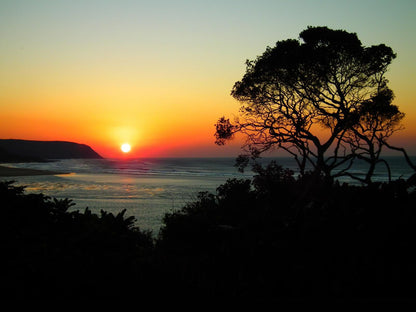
pixel 323 98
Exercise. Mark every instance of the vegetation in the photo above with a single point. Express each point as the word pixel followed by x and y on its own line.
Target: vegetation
pixel 323 98
pixel 274 237
pixel 298 239
pixel 49 251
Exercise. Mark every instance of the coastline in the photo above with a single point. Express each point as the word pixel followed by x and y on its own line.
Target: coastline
pixel 15 172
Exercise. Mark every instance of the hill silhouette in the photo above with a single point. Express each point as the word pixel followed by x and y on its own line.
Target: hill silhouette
pixel 25 150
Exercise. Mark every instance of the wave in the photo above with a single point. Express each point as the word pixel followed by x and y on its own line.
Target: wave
pixel 195 167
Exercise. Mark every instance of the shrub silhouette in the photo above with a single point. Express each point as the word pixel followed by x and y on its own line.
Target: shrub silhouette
pixel 51 251
pixel 296 239
pixel 273 237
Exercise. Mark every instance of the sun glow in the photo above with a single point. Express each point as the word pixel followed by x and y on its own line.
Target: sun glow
pixel 125 148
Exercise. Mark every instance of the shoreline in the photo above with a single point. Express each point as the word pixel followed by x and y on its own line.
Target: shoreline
pixel 18 172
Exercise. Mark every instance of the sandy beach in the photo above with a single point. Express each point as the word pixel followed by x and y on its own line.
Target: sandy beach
pixel 14 172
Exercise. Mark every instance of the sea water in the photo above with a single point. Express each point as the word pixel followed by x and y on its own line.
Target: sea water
pixel 149 188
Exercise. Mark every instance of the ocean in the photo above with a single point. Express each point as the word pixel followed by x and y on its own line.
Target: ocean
pixel 148 188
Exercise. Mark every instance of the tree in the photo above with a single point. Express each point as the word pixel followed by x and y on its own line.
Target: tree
pixel 323 98
pixel 377 120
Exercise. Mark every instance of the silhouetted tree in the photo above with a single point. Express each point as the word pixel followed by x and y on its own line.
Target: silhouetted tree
pixel 377 119
pixel 323 98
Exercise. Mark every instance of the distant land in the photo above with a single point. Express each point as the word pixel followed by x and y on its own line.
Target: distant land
pixel 24 150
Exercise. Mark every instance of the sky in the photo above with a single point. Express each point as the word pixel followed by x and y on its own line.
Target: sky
pixel 158 74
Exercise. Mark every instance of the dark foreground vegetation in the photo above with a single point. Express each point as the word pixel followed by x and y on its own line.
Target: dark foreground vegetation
pixel 272 238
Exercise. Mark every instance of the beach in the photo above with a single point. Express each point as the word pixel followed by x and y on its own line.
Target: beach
pixel 19 172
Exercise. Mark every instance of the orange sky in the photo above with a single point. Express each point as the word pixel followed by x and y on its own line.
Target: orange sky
pixel 158 76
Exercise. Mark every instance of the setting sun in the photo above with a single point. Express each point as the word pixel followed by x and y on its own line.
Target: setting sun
pixel 125 148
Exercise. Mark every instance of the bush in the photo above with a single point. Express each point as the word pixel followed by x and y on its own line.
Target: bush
pixel 296 239
pixel 51 251
pixel 270 238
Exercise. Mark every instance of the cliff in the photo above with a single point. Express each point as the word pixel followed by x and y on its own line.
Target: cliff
pixel 23 150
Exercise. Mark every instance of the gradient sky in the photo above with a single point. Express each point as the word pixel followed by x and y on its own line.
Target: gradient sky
pixel 158 74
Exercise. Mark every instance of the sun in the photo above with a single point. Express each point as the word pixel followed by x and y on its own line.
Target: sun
pixel 125 148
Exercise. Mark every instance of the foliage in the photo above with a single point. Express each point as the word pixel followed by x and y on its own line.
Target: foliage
pixel 295 239
pixel 49 250
pixel 324 99
pixel 275 237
